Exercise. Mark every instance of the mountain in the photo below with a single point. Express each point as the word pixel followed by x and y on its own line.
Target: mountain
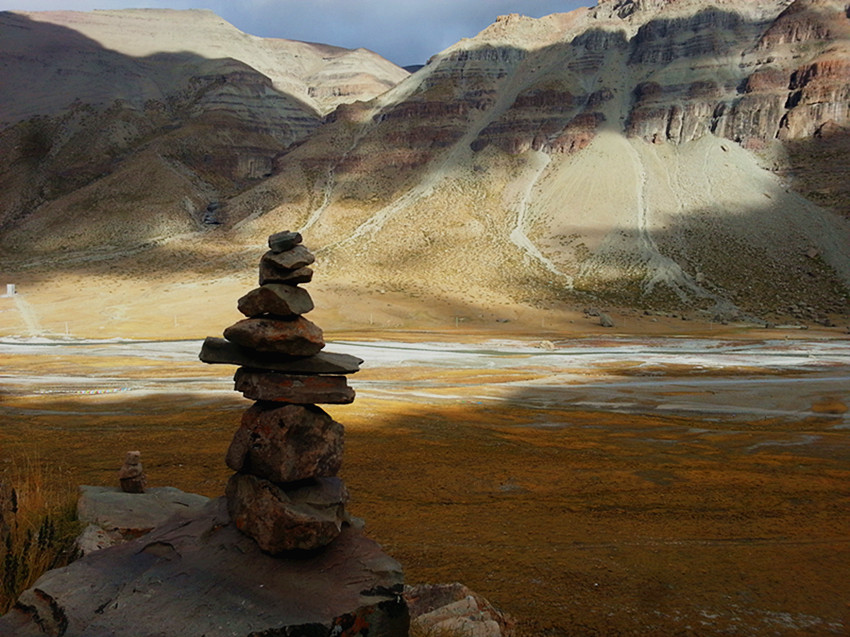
pixel 658 154
pixel 99 106
pixel 652 154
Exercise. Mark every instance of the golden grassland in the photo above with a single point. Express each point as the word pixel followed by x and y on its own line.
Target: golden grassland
pixel 573 521
pixel 37 523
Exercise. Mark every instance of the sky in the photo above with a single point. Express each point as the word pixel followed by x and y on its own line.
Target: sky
pixel 403 31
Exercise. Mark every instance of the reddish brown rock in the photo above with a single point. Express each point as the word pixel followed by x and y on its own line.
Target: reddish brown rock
pixel 297 257
pixel 277 299
pixel 301 390
pixel 270 273
pixel 217 351
pixel 286 443
pixel 295 337
pixel 304 518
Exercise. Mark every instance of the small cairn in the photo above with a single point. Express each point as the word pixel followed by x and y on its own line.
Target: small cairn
pixel 131 475
pixel 287 452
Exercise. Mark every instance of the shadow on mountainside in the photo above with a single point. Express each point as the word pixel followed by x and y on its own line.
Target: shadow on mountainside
pixel 144 144
pixel 818 168
pixel 769 273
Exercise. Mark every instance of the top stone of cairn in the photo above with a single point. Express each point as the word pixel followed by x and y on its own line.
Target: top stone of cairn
pixel 283 241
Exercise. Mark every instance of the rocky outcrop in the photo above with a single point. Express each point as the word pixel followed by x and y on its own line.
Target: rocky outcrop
pixel 707 65
pixel 122 516
pixel 545 118
pixel 819 96
pixel 804 21
pixel 199 575
pixel 767 98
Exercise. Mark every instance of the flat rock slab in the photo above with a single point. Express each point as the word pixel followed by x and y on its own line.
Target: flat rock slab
pixel 132 514
pixel 270 273
pixel 277 299
pixel 301 390
pixel 198 575
pixel 286 443
pixel 221 351
pixel 296 337
pixel 281 518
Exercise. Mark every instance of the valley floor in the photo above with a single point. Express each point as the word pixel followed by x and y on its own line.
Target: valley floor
pixel 645 486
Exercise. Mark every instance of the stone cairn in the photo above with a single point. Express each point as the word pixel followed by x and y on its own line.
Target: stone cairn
pixel 285 493
pixel 131 475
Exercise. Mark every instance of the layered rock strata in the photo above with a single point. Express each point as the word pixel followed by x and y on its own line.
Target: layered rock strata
pixel 287 452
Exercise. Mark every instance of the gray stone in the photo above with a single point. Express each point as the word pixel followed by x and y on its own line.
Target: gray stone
pixel 132 514
pixel 221 351
pixel 277 299
pixel 270 273
pixel 286 443
pixel 301 390
pixel 297 257
pixel 303 517
pixel 295 337
pixel 605 320
pixel 199 576
pixel 283 241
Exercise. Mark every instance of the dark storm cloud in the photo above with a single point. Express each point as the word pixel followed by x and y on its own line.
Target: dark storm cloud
pixel 406 32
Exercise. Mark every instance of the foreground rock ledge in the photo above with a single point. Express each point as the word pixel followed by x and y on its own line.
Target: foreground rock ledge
pixel 198 575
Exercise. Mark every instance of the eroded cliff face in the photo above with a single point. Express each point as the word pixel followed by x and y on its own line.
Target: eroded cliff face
pixel 661 71
pixel 780 79
pixel 676 71
pixel 606 152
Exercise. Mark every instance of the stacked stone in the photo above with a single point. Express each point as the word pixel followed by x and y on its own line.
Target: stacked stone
pixel 287 452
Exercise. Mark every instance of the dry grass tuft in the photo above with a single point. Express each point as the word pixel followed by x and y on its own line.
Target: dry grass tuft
pixel 38 527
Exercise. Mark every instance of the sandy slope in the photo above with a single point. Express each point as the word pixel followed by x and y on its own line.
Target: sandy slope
pixel 107 306
pixel 676 201
pixel 659 195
